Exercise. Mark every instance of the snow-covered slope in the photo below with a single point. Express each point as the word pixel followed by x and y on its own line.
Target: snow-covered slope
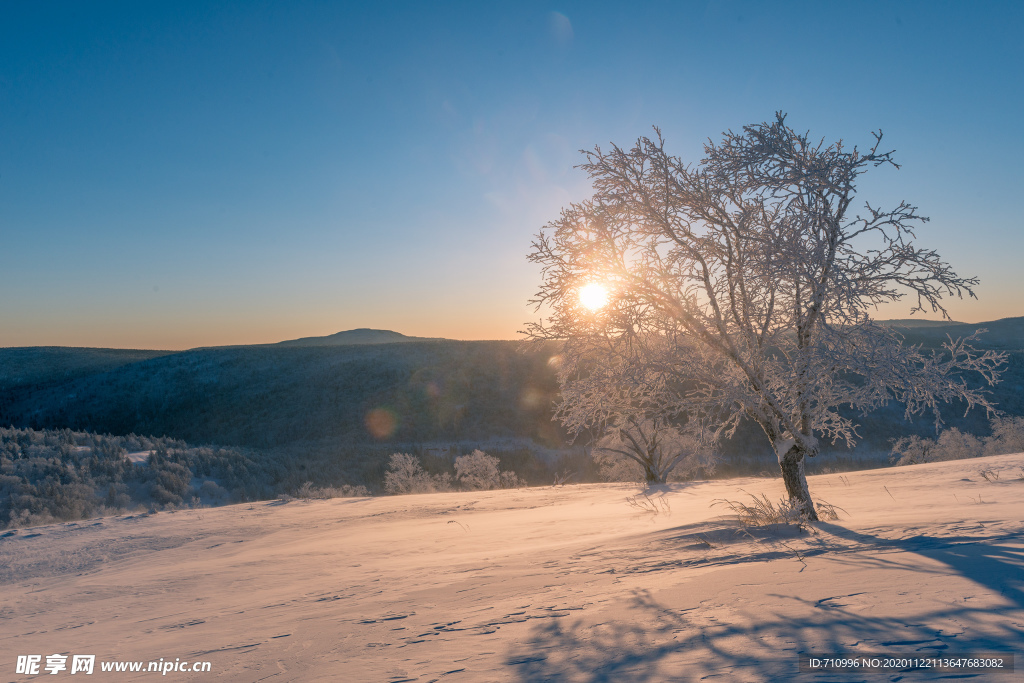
pixel 562 584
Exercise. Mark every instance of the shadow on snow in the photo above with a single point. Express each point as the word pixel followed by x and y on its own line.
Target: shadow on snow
pixel 657 642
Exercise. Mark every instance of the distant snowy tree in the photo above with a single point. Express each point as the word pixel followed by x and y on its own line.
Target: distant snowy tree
pixel 479 472
pixel 952 444
pixel 406 475
pixel 912 450
pixel 1007 436
pixel 742 287
pixel 650 451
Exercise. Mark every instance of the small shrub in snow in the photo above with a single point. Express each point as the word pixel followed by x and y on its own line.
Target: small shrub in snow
pixel 479 472
pixel 511 480
pixel 990 475
pixel 645 503
pixel 474 472
pixel 956 445
pixel 763 512
pixel 912 450
pixel 405 475
pixel 309 492
pixel 1007 436
pixel 564 477
pixel 346 491
pixel 952 444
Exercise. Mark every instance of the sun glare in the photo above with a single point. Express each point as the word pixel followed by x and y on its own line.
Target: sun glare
pixel 594 296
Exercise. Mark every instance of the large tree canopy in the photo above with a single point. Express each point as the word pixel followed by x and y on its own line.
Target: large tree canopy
pixel 743 287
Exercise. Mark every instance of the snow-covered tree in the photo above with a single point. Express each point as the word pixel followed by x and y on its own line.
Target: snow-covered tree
pixel 743 287
pixel 649 450
pixel 477 471
pixel 406 475
pixel 1007 436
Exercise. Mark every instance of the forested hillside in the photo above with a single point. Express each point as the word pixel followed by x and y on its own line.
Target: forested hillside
pixel 353 396
pixel 47 476
pixel 30 368
pixel 266 396
pixel 1006 334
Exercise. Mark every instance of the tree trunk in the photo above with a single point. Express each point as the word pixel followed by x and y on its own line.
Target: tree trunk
pixel 651 475
pixel 792 464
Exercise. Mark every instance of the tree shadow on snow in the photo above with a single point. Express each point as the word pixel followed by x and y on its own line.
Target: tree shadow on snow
pixel 656 642
pixel 995 561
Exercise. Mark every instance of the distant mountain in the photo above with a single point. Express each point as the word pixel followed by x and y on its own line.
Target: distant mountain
pixel 916 322
pixel 362 335
pixel 1004 334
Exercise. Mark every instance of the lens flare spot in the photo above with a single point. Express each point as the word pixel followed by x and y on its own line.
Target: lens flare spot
pixel 381 423
pixel 433 390
pixel 594 296
pixel 531 398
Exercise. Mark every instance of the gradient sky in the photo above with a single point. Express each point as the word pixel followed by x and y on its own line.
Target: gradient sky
pixel 192 174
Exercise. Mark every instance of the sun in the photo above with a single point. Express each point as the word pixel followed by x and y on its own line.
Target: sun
pixel 594 296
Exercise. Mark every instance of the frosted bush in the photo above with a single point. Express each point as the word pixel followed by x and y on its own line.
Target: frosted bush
pixel 511 480
pixel 346 491
pixel 477 471
pixel 956 445
pixel 405 475
pixel 952 444
pixel 912 450
pixel 310 492
pixel 1007 436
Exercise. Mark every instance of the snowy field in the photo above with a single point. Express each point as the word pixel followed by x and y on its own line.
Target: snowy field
pixel 561 584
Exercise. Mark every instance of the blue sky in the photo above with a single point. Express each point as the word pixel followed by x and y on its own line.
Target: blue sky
pixel 189 174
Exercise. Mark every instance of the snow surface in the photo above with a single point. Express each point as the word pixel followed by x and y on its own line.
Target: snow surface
pixel 139 457
pixel 562 584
